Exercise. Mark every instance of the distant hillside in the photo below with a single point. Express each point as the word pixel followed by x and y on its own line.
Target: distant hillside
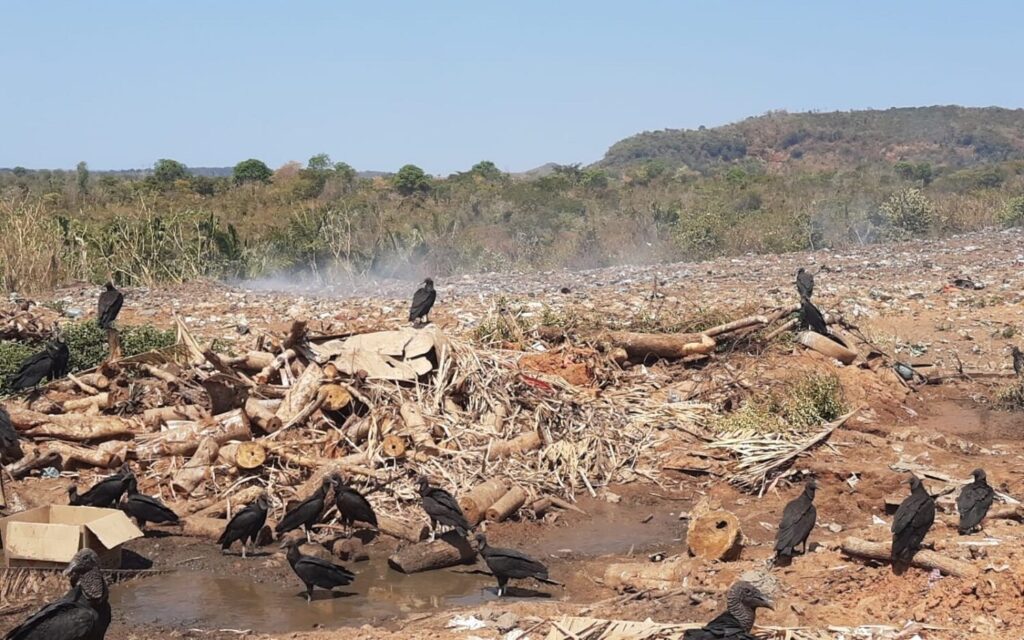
pixel 949 135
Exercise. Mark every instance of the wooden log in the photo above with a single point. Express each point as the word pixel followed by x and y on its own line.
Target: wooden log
pixel 198 469
pixel 641 576
pixel 479 499
pixel 359 430
pixel 87 382
pixel 640 346
pixel 334 397
pixel 565 504
pixel 109 458
pixel 393 446
pixel 349 550
pixel 39 459
pixel 275 365
pixel 263 414
pixel 507 505
pixel 154 418
pixel 301 395
pixel 784 327
pixel 826 347
pixel 447 551
pixel 715 535
pixel 540 507
pixel 527 441
pixel 250 455
pixel 736 325
pixel 220 506
pixel 163 374
pixel 253 361
pixel 45 405
pixel 200 527
pixel 184 439
pixel 325 466
pixel 114 344
pixel 88 389
pixel 925 559
pixel 95 402
pixel 403 530
pixel 70 426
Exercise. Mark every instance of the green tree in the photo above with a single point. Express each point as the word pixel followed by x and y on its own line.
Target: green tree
pixel 82 177
pixel 19 172
pixel 320 162
pixel 411 179
pixel 345 172
pixel 487 170
pixel 252 170
pixel 167 172
pixel 908 213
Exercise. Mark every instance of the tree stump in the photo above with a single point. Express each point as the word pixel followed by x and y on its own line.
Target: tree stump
pixel 715 535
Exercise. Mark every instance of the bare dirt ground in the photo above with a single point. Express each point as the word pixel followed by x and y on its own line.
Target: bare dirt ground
pixel 898 295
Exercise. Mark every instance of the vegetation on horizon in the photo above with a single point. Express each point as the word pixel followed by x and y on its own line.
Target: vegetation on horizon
pixel 776 183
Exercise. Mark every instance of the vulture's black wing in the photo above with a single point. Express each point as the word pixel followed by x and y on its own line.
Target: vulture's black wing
pixel 805 284
pixel 973 504
pixel 245 524
pixel 31 371
pixel 811 317
pixel 797 522
pixel 354 507
pixel 911 524
pixel 444 508
pixel 321 573
pixel 513 564
pixel 422 301
pixel 70 618
pixel 10 443
pixel 59 359
pixel 148 509
pixel 109 306
pixel 724 627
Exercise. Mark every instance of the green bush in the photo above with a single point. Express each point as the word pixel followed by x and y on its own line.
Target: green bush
pixel 1012 213
pixel 801 404
pixel 908 213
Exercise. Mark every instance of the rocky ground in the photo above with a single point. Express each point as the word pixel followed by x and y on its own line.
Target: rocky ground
pixel 901 297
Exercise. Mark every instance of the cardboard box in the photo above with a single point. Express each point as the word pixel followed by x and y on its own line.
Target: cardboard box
pixel 51 536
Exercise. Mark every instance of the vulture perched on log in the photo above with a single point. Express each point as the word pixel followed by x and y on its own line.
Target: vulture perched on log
pixel 798 520
pixel 246 524
pixel 804 283
pixel 741 604
pixel 105 493
pixel 145 508
pixel 81 614
pixel 509 564
pixel 306 513
pixel 352 505
pixel 912 521
pixel 422 301
pixel 109 306
pixel 811 318
pixel 443 509
pixel 10 442
pixel 51 362
pixel 315 572
pixel 973 502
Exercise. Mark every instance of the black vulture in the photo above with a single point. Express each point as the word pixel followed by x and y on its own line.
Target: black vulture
pixel 973 502
pixel 145 508
pixel 798 520
pixel 51 362
pixel 912 521
pixel 306 513
pixel 1018 361
pixel 109 306
pixel 315 572
pixel 508 564
pixel 811 318
pixel 741 604
pixel 804 283
pixel 10 444
pixel 422 301
pixel 245 526
pixel 352 505
pixel 83 613
pixel 104 493
pixel 443 509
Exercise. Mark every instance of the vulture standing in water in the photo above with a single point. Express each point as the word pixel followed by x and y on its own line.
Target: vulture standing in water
pixel 798 520
pixel 104 493
pixel 741 605
pixel 306 513
pixel 912 521
pixel 352 505
pixel 443 509
pixel 315 572
pixel 422 301
pixel 1018 361
pixel 109 306
pixel 145 508
pixel 804 283
pixel 81 614
pixel 10 443
pixel 51 362
pixel 245 526
pixel 508 564
pixel 973 502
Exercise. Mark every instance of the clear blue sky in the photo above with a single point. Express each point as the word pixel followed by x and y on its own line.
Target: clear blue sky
pixel 444 84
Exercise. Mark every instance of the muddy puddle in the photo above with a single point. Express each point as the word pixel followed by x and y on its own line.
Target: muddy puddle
pixel 193 599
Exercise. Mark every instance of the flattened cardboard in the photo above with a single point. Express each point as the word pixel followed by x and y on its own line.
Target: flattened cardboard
pixel 50 536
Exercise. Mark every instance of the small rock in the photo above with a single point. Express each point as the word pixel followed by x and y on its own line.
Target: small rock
pixel 506 622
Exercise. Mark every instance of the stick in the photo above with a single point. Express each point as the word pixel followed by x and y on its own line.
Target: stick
pixel 925 559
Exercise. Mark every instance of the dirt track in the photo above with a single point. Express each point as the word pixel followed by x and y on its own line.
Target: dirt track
pixel 898 295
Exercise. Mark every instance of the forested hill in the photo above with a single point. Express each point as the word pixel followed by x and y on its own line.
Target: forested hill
pixel 951 136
